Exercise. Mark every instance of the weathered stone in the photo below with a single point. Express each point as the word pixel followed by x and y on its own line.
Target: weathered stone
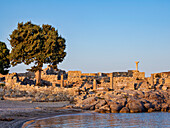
pixel 100 104
pixel 124 110
pixel 164 88
pixel 88 107
pixel 115 107
pixel 148 105
pixel 135 106
pixel 122 101
pixel 105 109
pixel 151 110
pixel 165 107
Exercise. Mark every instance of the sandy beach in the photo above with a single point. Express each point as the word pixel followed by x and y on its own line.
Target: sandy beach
pixel 13 114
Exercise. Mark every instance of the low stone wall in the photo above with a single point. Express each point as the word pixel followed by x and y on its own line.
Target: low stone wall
pixel 139 75
pixel 89 74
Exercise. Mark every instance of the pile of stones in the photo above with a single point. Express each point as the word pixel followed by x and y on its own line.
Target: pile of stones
pixel 125 101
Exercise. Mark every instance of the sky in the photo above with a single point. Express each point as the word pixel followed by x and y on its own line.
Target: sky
pixel 101 35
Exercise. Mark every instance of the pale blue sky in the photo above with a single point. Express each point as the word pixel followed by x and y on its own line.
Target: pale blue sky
pixel 101 35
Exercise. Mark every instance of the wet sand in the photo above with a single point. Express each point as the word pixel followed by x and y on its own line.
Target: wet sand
pixel 13 114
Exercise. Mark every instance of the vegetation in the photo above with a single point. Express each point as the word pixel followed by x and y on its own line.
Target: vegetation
pixel 40 45
pixel 4 61
pixel 2 85
pixel 158 76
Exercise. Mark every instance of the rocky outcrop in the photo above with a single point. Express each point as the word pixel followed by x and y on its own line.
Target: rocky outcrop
pixel 127 101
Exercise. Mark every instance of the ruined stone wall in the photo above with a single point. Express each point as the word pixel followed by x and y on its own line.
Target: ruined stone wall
pixel 123 83
pixel 74 76
pixel 50 78
pixel 139 75
pixel 167 82
pixel 89 74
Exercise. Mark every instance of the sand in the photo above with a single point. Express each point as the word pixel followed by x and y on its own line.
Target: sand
pixel 13 114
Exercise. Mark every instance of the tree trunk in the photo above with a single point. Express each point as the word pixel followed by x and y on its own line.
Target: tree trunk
pixel 38 77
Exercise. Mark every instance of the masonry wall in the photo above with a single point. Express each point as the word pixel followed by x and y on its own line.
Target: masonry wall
pixel 123 83
pixel 139 75
pixel 74 76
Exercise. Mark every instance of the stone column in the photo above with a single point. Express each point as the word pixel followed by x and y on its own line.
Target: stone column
pixel 111 80
pixel 62 81
pixel 152 80
pixel 136 65
pixel 94 84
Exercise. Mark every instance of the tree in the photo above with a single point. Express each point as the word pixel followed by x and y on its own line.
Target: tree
pixel 41 45
pixel 4 61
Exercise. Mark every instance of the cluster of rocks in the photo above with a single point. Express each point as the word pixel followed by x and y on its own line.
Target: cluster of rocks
pixel 102 101
pixel 34 95
pixel 125 101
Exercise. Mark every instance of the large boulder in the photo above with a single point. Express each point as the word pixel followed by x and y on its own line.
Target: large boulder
pixel 115 106
pixel 100 104
pixel 124 110
pixel 148 106
pixel 165 107
pixel 157 105
pixel 122 101
pixel 135 106
pixel 104 109
pixel 88 104
pixel 151 110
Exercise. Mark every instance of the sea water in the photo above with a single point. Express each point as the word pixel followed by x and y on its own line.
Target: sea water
pixel 111 120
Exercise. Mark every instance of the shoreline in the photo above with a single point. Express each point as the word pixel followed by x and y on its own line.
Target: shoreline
pixel 21 113
pixel 16 115
pixel 46 119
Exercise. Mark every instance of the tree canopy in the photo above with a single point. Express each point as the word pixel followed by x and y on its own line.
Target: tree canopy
pixel 41 45
pixel 4 61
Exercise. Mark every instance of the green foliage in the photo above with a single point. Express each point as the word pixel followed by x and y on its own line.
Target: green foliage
pixel 41 45
pixel 2 85
pixel 4 61
pixel 158 76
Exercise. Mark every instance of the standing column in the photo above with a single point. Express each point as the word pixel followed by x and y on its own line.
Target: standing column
pixel 111 80
pixel 137 62
pixel 62 81
pixel 94 84
pixel 152 80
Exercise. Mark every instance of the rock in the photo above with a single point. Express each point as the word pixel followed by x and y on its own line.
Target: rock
pixel 124 110
pixel 168 102
pixel 122 101
pixel 135 106
pixel 2 98
pixel 148 105
pixel 89 100
pixel 164 107
pixel 88 104
pixel 100 110
pixel 105 109
pixel 88 107
pixel 115 107
pixel 147 94
pixel 164 88
pixel 51 98
pixel 100 104
pixel 151 110
pixel 157 105
pixel 140 94
pixel 37 108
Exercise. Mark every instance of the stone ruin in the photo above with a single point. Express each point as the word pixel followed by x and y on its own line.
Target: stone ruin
pixel 131 80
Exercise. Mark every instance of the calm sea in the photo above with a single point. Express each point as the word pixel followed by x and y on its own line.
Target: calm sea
pixel 111 120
